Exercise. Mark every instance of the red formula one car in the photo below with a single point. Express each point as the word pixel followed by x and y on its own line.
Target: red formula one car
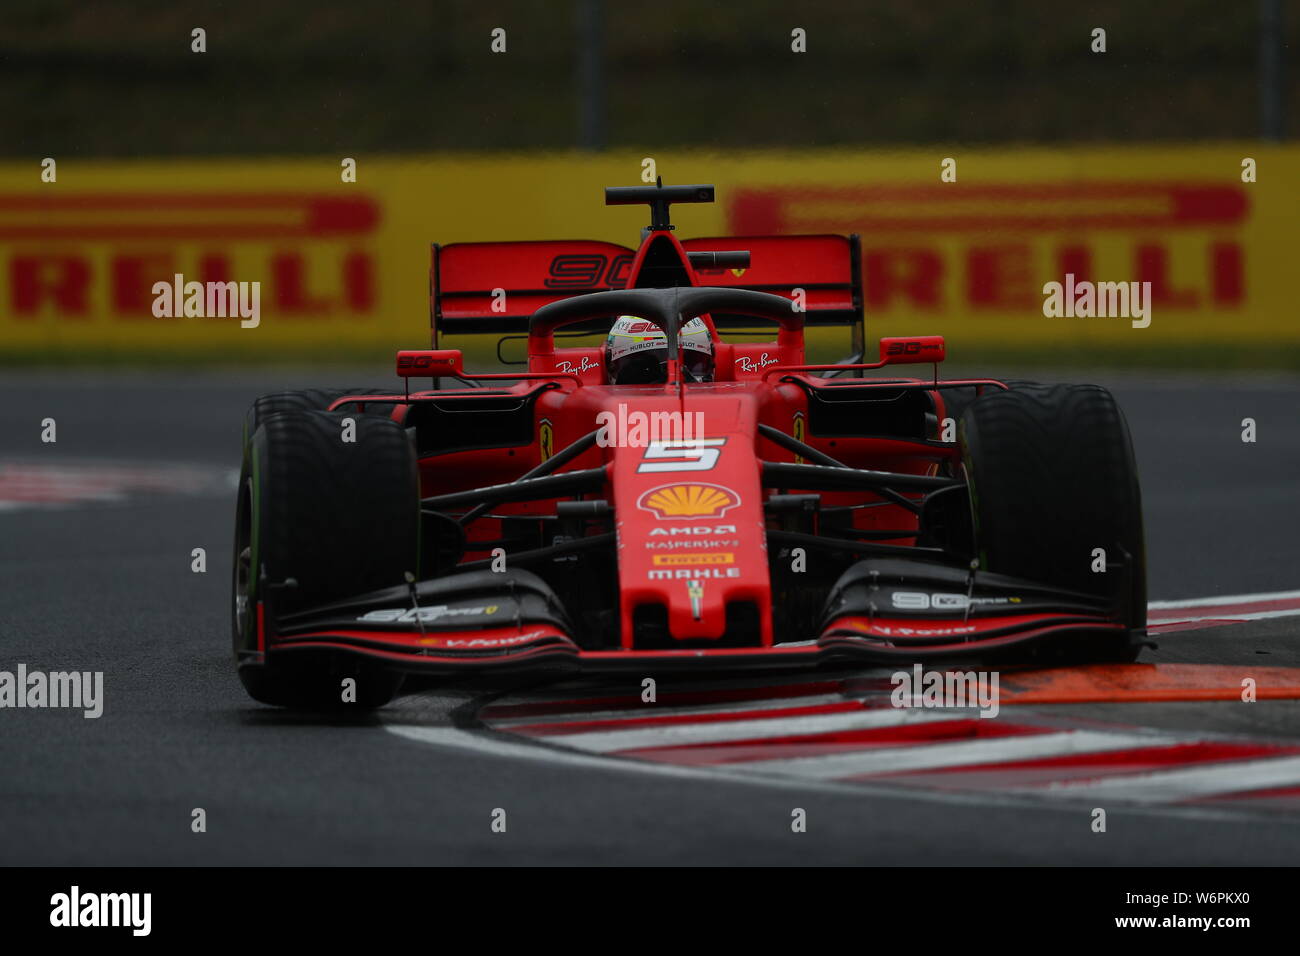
pixel 690 493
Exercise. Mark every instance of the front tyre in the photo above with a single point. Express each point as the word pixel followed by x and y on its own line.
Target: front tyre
pixel 1052 480
pixel 308 399
pixel 320 518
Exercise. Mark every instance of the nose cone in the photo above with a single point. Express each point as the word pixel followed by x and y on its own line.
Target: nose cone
pixel 691 536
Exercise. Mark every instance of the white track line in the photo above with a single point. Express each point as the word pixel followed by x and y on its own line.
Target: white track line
pixel 1170 786
pixel 518 749
pixel 658 710
pixel 672 735
pixel 484 745
pixel 934 756
pixel 521 750
pixel 583 691
pixel 1227 615
pixel 595 748
pixel 1226 599
pixel 488 745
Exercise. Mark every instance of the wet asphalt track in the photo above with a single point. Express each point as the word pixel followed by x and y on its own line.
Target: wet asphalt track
pixel 109 587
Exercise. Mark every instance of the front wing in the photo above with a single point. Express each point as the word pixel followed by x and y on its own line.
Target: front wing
pixel 490 622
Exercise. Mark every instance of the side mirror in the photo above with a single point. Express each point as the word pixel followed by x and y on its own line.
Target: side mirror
pixel 911 350
pixel 430 363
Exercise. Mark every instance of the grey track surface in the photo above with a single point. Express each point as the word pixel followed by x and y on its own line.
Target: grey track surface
pixel 108 587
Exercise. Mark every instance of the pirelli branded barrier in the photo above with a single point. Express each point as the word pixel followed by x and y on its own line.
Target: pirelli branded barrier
pixel 342 268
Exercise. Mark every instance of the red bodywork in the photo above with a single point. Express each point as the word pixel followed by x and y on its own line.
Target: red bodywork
pixel 692 530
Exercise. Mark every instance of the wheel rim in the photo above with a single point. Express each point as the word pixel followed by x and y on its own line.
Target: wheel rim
pixel 243 564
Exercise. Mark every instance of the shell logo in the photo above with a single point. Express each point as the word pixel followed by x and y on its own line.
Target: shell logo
pixel 688 501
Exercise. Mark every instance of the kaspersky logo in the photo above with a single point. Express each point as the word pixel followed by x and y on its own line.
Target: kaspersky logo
pixel 688 501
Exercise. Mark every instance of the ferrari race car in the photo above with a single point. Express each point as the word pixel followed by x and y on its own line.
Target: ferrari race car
pixel 691 493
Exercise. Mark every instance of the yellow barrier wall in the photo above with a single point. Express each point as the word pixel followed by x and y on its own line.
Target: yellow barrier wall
pixel 343 266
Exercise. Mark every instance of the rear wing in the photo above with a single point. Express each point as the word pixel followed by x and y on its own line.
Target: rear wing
pixel 827 268
pixel 494 287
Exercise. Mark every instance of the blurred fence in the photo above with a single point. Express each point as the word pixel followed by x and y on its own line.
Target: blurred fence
pixel 307 77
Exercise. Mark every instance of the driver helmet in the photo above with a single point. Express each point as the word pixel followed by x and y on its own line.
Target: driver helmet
pixel 636 352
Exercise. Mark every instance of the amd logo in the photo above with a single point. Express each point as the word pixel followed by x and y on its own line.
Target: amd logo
pixel 694 529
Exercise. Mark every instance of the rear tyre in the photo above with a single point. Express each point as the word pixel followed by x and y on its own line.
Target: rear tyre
pixel 1052 477
pixel 320 519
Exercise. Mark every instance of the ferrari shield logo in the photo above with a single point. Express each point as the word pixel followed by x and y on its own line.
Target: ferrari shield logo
pixel 546 438
pixel 799 431
pixel 695 591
